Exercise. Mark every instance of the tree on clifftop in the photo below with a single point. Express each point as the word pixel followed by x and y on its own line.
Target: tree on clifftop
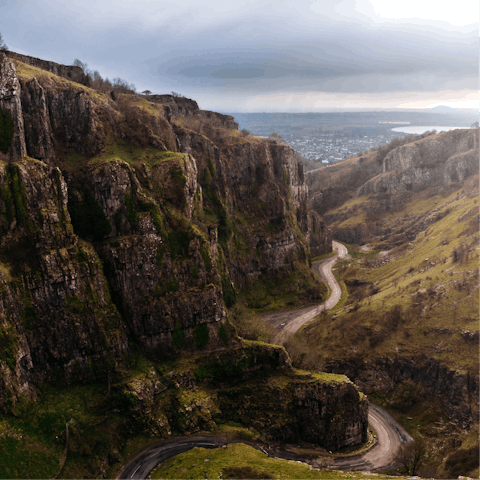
pixel 80 64
pixel 3 46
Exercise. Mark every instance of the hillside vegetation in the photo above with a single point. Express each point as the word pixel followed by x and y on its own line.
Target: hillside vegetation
pixel 129 225
pixel 408 331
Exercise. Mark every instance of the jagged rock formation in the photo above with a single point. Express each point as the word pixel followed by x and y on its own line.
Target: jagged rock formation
pixel 440 160
pixel 10 103
pixel 158 212
pixel 458 390
pixel 57 318
pixel 430 161
pixel 70 72
pixel 286 406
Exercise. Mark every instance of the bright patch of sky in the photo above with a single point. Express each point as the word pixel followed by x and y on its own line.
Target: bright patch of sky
pixel 457 14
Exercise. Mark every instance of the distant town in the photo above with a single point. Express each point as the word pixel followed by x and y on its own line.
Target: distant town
pixel 325 138
pixel 330 147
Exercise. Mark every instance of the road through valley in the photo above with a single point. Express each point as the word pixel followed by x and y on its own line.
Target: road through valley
pixel 390 435
pixel 288 322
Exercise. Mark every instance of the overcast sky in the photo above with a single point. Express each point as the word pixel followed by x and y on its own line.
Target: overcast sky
pixel 301 55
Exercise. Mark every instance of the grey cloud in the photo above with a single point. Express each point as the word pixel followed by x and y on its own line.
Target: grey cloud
pixel 266 48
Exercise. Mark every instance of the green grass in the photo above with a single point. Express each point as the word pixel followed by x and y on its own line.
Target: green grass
pixel 417 300
pixel 382 283
pixel 27 72
pixel 121 150
pixel 352 202
pixel 217 463
pixel 300 287
pixel 323 376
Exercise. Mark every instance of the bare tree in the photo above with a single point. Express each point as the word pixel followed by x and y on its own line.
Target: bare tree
pixel 147 92
pixel 80 64
pixel 122 86
pixel 3 46
pixel 411 456
pixel 276 137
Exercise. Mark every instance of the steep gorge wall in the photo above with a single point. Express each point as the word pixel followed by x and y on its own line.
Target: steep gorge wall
pixel 438 161
pixel 73 73
pixel 431 161
pixel 56 315
pixel 253 384
pixel 456 391
pixel 140 238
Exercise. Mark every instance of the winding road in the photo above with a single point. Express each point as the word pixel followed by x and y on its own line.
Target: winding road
pixel 390 435
pixel 288 322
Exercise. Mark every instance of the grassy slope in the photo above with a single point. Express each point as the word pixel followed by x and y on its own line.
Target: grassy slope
pixel 435 298
pixel 32 440
pixel 241 461
pixel 296 289
pixel 418 299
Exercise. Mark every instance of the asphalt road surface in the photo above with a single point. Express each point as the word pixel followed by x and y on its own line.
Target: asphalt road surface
pixel 390 435
pixel 143 464
pixel 288 322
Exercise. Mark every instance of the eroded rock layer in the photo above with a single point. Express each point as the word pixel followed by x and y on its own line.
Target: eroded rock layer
pixel 128 225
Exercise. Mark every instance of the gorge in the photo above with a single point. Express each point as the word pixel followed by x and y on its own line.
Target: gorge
pixel 131 227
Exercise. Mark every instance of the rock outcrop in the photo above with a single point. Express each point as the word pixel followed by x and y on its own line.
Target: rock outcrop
pixel 70 72
pixel 158 212
pixel 428 378
pixel 56 315
pixel 444 158
pixel 255 385
pixel 437 161
pixel 11 108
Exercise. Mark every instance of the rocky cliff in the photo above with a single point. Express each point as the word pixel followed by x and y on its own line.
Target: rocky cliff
pixel 252 384
pixel 353 195
pixel 458 391
pixel 70 72
pixel 448 157
pixel 128 225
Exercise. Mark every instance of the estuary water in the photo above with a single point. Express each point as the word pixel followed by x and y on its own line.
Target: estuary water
pixel 419 130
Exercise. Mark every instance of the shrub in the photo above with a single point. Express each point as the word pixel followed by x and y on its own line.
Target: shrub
pixel 179 242
pixel 7 349
pixel 201 334
pixel 460 254
pixel 178 336
pixel 212 167
pixel 462 462
pixel 222 333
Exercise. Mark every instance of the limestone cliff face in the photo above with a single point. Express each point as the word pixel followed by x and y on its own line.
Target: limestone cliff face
pixel 285 405
pixel 56 315
pixel 447 157
pixel 263 181
pixel 458 391
pixel 10 101
pixel 436 161
pixel 73 73
pixel 143 233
